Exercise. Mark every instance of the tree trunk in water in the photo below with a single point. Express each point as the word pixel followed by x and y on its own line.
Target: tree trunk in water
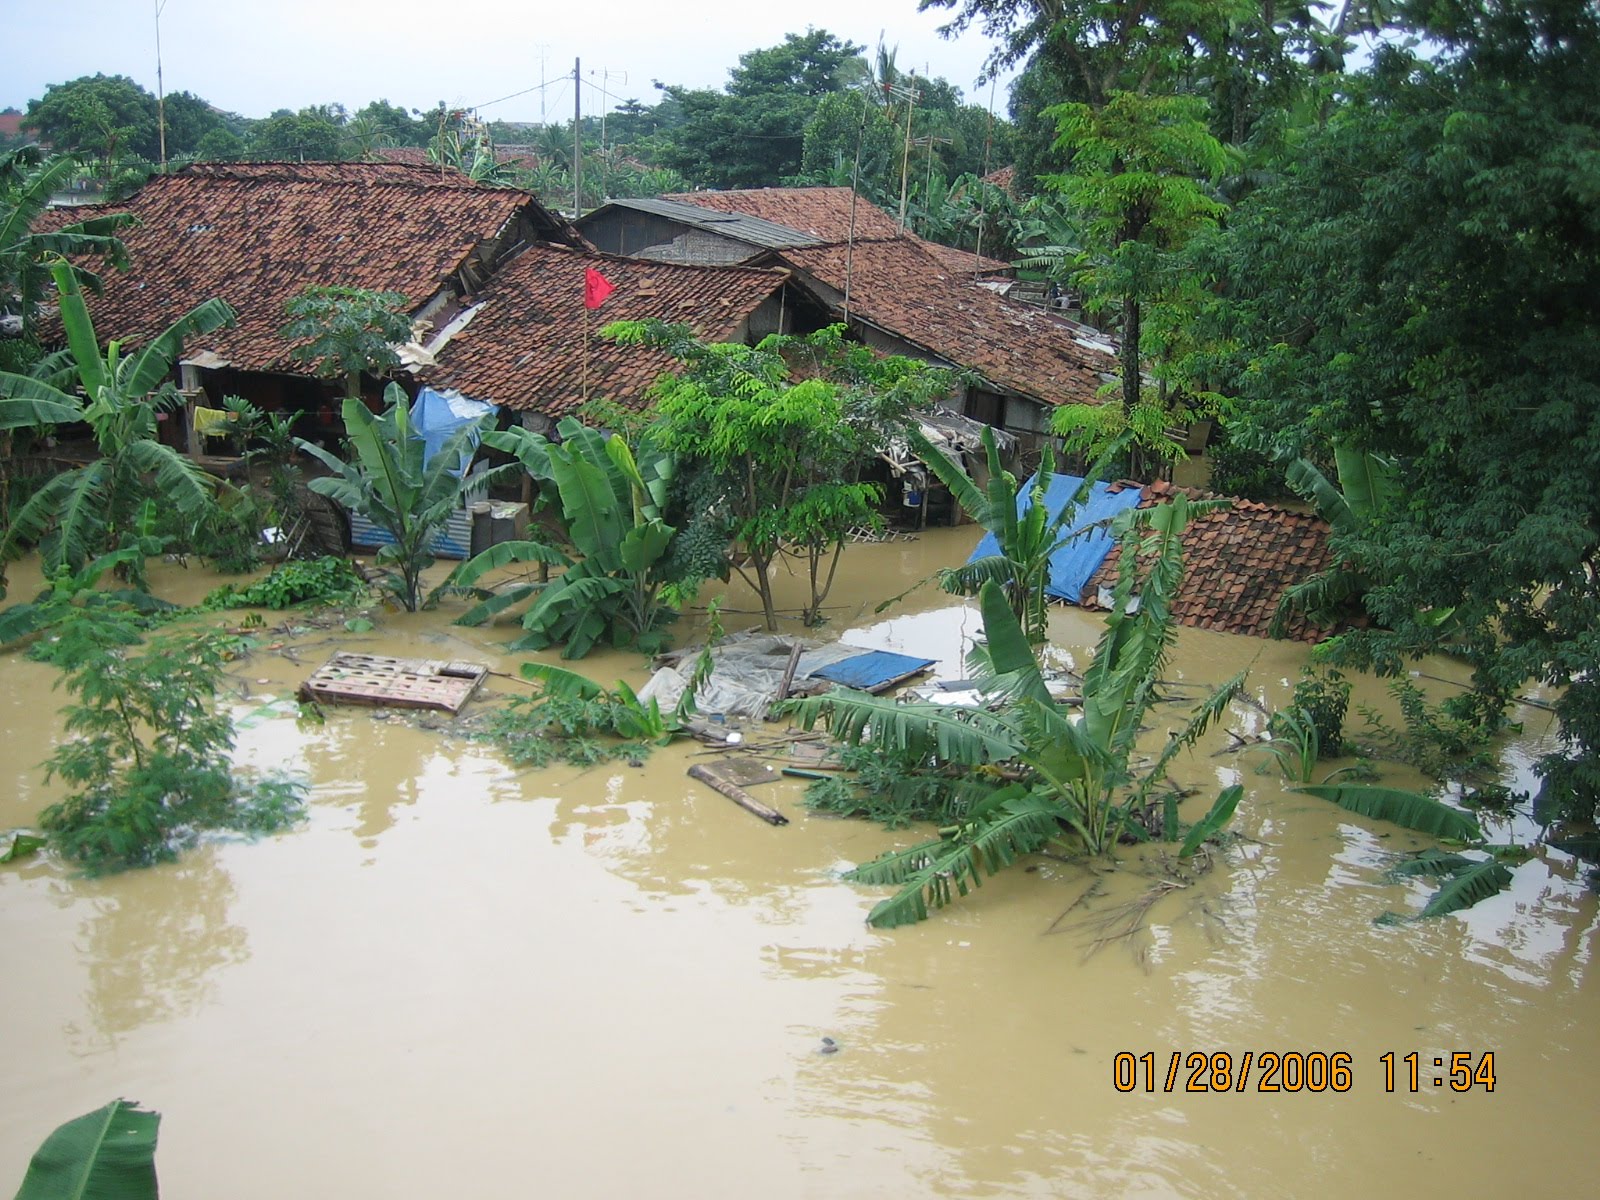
pixel 764 589
pixel 1130 373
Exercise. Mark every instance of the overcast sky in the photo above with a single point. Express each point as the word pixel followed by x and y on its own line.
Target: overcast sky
pixel 254 56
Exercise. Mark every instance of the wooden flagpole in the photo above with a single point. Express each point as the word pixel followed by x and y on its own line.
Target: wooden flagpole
pixel 584 358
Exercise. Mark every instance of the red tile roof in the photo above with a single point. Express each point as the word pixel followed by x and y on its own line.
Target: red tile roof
pixel 1005 178
pixel 825 213
pixel 1238 561
pixel 524 350
pixel 924 293
pixel 255 234
pixel 899 287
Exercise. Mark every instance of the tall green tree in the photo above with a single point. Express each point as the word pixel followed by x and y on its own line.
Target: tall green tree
pixel 106 116
pixel 781 430
pixel 1423 286
pixel 752 133
pixel 1140 169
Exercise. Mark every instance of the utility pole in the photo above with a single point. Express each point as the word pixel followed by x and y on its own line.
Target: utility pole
pixel 577 140
pixel 161 96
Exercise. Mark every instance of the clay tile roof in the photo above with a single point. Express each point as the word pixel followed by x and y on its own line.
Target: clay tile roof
pixel 1005 178
pixel 924 293
pixel 959 263
pixel 899 287
pixel 255 234
pixel 823 212
pixel 524 350
pixel 1238 561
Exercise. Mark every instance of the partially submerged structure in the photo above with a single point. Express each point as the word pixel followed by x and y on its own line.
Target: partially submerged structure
pixel 256 234
pixel 530 346
pixel 1239 560
pixel 896 292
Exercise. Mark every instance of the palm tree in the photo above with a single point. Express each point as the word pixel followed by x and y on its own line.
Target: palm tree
pixel 89 510
pixel 27 181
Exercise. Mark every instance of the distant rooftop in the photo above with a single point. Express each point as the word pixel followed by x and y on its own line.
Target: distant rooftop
pixel 757 231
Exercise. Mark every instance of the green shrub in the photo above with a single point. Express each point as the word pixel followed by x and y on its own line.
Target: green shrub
pixel 149 757
pixel 327 580
pixel 1325 699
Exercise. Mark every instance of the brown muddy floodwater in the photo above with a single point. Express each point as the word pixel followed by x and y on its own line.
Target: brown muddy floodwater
pixel 461 979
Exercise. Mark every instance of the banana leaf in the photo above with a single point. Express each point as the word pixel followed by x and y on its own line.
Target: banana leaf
pixel 108 1154
pixel 1409 809
pixel 1213 822
pixel 1466 888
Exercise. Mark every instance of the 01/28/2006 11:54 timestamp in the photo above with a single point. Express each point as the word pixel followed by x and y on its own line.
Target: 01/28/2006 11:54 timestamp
pixel 1295 1071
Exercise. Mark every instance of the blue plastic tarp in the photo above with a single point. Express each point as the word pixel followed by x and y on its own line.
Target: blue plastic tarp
pixel 1077 558
pixel 872 670
pixel 437 415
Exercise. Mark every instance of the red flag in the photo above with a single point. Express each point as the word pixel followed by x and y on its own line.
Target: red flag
pixel 596 287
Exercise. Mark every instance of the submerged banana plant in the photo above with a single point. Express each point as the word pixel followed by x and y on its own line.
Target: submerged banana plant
pixel 611 513
pixel 1061 777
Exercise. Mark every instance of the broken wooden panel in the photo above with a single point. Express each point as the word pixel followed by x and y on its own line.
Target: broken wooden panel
pixel 350 678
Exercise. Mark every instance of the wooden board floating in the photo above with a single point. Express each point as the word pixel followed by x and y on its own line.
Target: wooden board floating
pixel 349 678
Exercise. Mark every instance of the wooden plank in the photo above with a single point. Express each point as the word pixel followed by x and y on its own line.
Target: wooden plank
pixel 788 671
pixel 746 772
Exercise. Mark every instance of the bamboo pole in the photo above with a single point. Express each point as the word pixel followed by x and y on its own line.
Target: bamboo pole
pixel 737 794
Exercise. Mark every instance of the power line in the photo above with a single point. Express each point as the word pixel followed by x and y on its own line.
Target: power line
pixel 538 87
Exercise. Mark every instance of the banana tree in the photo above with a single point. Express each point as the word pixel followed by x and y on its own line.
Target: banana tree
pixel 27 181
pixel 612 505
pixel 89 510
pixel 1366 482
pixel 1073 779
pixel 1025 532
pixel 390 481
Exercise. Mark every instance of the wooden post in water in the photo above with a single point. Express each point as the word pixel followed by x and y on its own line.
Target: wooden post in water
pixel 737 794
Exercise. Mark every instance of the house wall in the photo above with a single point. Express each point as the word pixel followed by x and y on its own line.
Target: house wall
pixel 634 234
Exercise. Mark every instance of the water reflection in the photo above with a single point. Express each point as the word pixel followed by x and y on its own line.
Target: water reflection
pixel 153 944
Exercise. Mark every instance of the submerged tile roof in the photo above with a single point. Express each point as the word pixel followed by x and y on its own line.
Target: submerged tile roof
pixel 1238 561
pixel 524 350
pixel 255 234
pixel 924 294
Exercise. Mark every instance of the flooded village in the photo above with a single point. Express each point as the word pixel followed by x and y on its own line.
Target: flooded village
pixel 726 684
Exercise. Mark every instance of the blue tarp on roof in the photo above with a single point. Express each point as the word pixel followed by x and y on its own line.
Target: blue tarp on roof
pixel 1078 558
pixel 872 669
pixel 436 415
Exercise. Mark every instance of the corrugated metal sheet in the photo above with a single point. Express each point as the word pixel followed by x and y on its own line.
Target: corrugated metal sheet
pixel 1077 557
pixel 453 541
pixel 872 670
pixel 756 231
